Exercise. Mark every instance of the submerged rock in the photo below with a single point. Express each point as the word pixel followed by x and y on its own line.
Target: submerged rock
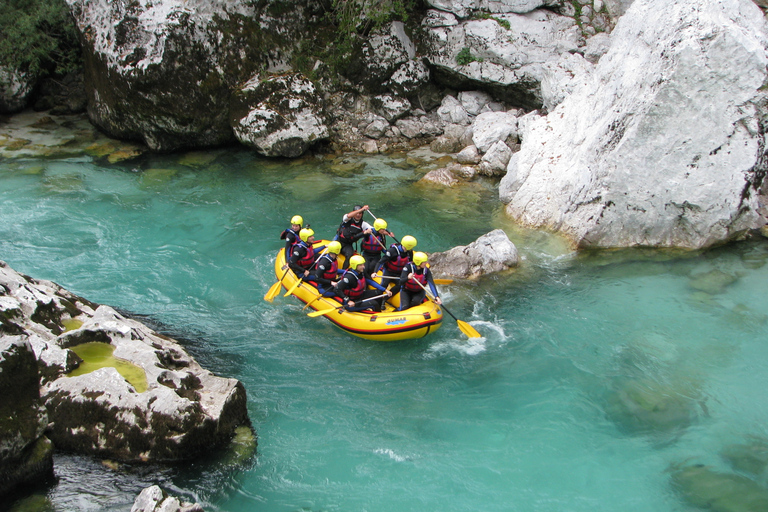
pixel 651 407
pixel 155 499
pixel 492 252
pixel 750 457
pixel 719 492
pixel 713 282
pixel 184 412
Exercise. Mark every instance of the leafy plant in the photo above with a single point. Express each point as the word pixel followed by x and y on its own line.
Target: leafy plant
pixel 487 16
pixel 38 37
pixel 465 56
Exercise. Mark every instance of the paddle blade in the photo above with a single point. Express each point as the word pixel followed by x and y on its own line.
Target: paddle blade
pixel 468 329
pixel 272 293
pixel 292 288
pixel 321 312
pixel 443 281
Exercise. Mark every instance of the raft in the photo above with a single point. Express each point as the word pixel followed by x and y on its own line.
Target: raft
pixel 388 325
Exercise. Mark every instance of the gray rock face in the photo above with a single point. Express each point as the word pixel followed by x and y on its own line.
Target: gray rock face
pixel 381 55
pixel 279 115
pixel 184 411
pixel 483 54
pixel 463 8
pixel 154 499
pixel 25 453
pixel 15 89
pixel 664 143
pixel 492 252
pixel 162 72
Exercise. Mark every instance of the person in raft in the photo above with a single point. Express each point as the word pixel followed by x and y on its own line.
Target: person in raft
pixel 303 254
pixel 326 273
pixel 291 236
pixel 352 288
pixel 414 273
pixel 394 260
pixel 352 229
pixel 373 245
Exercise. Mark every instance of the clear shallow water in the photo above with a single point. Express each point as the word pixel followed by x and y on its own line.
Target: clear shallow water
pixel 598 376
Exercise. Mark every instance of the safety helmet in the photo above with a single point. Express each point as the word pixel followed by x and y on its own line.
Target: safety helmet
pixel 334 247
pixel 356 261
pixel 305 233
pixel 408 242
pixel 379 224
pixel 419 257
pixel 297 220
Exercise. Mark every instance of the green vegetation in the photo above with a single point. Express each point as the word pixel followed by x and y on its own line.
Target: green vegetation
pixel 38 37
pixel 97 355
pixel 487 16
pixel 465 56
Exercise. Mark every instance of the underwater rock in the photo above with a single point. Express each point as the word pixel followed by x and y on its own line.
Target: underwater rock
pixel 492 252
pixel 750 457
pixel 719 492
pixel 712 282
pixel 184 412
pixel 647 407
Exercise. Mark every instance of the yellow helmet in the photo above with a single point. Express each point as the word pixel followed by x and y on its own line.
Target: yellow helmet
pixel 419 257
pixel 334 247
pixel 379 224
pixel 356 261
pixel 297 220
pixel 305 233
pixel 408 242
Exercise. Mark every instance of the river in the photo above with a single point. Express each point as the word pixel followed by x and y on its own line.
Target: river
pixel 599 379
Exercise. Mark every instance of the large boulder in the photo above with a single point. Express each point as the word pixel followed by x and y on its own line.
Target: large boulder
pixel 504 56
pixel 464 8
pixel 162 71
pixel 15 90
pixel 26 455
pixel 279 115
pixel 155 499
pixel 381 55
pixel 183 412
pixel 664 143
pixel 492 252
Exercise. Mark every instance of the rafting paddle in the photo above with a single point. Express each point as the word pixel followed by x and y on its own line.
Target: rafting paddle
pixel 275 288
pixel 321 312
pixel 296 285
pixel 388 232
pixel 463 326
pixel 437 281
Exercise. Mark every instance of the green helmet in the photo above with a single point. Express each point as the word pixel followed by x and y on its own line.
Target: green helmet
pixel 305 233
pixel 419 257
pixel 297 220
pixel 408 242
pixel 379 224
pixel 356 260
pixel 334 247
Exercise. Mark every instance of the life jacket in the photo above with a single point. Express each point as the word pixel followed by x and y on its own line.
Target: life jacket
pixel 410 285
pixel 370 243
pixel 329 274
pixel 397 265
pixel 349 229
pixel 293 234
pixel 357 291
pixel 308 259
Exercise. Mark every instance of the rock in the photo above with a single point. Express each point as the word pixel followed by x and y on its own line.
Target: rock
pixel 495 160
pixel 154 499
pixel 370 147
pixel 26 455
pixel 410 128
pixel 380 55
pixel 597 46
pixel 279 116
pixel 376 128
pixel 617 164
pixel 561 77
pixel 445 144
pixel 468 155
pixel 463 8
pixel 474 101
pixel 452 111
pixel 651 407
pixel 506 62
pixel 62 95
pixel 712 282
pixel 409 78
pixel 184 411
pixel 492 127
pixel 441 176
pixel 750 457
pixel 163 71
pixel 15 90
pixel 391 107
pixel 708 489
pixel 492 252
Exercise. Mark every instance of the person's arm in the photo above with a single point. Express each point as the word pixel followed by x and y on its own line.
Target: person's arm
pixel 321 268
pixel 294 262
pixel 354 212
pixel 432 287
pixel 384 258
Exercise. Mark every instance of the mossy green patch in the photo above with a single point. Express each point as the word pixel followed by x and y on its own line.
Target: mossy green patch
pixel 70 324
pixel 154 178
pixel 97 355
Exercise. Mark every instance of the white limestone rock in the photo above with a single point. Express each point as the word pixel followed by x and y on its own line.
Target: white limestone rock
pixel 279 116
pixel 452 111
pixel 468 155
pixel 492 252
pixel 495 160
pixel 155 499
pixel 664 145
pixel 491 127
pixel 391 107
pixel 409 78
pixel 561 77
pixel 15 90
pixel 463 8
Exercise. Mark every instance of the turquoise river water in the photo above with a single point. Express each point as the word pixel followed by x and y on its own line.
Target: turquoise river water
pixel 622 381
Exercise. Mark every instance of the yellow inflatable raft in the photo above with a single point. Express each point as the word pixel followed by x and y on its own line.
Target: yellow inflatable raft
pixel 388 325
